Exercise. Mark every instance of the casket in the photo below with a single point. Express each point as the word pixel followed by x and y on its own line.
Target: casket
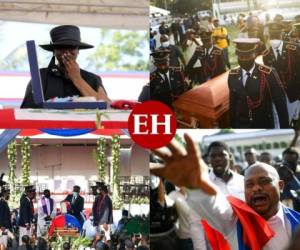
pixel 205 106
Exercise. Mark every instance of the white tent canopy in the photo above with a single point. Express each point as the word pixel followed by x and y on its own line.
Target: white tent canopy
pixel 115 14
pixel 156 10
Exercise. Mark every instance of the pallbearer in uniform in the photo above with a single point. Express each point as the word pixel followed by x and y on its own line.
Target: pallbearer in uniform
pixel 253 88
pixel 211 58
pixel 285 58
pixel 166 83
pixel 26 213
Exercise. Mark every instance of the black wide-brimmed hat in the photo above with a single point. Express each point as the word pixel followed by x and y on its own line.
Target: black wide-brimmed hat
pixel 65 35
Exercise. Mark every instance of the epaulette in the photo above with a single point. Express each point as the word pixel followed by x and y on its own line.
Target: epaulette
pixel 235 71
pixel 216 51
pixel 291 46
pixel 152 76
pixel 265 52
pixel 265 69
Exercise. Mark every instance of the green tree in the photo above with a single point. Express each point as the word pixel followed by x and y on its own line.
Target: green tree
pixel 191 6
pixel 119 50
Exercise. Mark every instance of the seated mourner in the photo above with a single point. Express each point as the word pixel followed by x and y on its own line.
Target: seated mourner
pixel 63 76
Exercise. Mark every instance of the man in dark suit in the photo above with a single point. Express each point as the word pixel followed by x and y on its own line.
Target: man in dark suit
pixel 285 58
pixel 175 54
pixel 26 213
pixel 5 216
pixel 166 83
pixel 103 211
pixel 77 204
pixel 211 58
pixel 253 89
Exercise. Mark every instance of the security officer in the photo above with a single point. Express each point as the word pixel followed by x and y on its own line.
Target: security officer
pixel 211 58
pixel 252 90
pixel 26 213
pixel 166 83
pixel 285 58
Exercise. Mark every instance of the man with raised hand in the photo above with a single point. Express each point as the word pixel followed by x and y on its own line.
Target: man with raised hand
pixel 260 223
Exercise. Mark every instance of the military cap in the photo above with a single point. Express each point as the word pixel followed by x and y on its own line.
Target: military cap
pixel 29 188
pixel 161 55
pixel 246 44
pixel 245 47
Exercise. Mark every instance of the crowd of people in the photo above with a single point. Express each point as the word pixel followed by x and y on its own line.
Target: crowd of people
pixel 210 202
pixel 29 228
pixel 190 51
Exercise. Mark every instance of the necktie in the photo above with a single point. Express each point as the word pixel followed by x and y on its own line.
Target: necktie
pixel 248 79
pixel 167 80
pixel 278 55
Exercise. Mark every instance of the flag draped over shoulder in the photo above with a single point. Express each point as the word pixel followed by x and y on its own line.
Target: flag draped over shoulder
pixel 253 230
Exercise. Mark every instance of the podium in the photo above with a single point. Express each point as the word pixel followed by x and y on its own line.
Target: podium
pixel 204 106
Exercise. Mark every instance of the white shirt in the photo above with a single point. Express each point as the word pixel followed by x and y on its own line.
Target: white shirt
pixel 219 214
pixel 41 214
pixel 244 74
pixel 234 186
pixel 277 48
pixel 183 210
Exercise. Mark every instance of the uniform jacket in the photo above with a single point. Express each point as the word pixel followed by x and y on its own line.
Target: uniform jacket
pixel 212 64
pixel 26 212
pixel 255 100
pixel 5 217
pixel 287 67
pixel 164 91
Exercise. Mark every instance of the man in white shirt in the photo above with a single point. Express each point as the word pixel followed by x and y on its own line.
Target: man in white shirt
pixel 229 183
pixel 262 192
pixel 46 212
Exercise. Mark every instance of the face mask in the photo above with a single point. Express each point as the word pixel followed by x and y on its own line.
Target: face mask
pixel 47 195
pixel 75 194
pixel 275 43
pixel 165 44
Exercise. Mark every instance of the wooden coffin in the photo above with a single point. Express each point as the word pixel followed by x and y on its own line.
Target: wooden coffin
pixel 205 106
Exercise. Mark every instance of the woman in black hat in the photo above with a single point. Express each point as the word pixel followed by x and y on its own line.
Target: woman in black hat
pixel 65 78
